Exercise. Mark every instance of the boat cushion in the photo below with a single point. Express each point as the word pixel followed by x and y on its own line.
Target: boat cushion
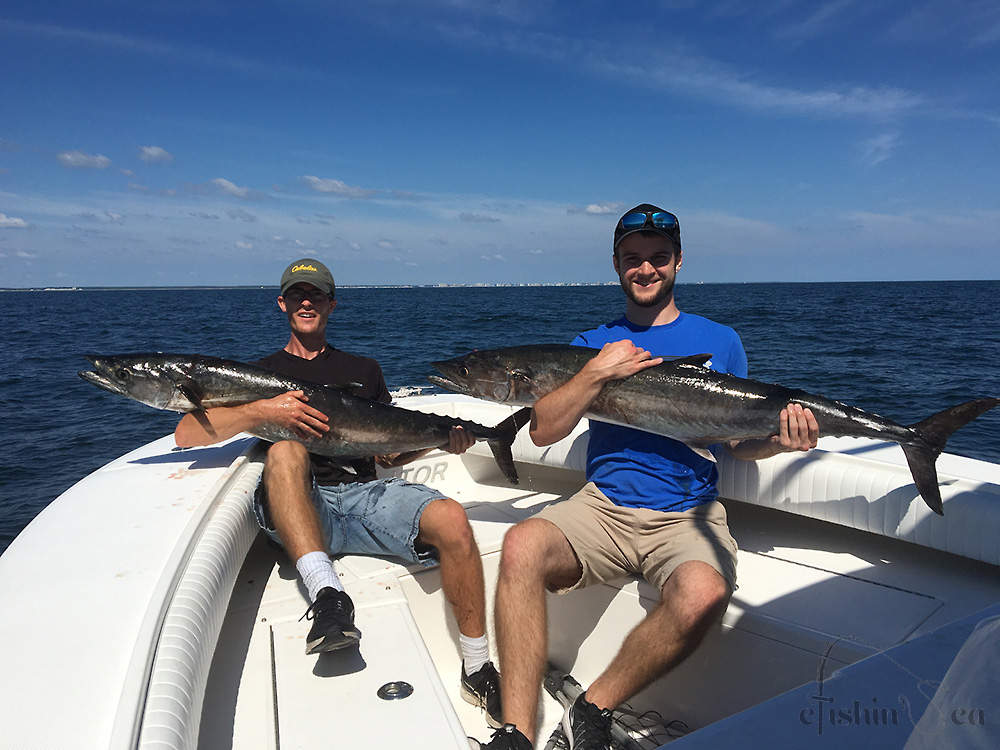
pixel 854 482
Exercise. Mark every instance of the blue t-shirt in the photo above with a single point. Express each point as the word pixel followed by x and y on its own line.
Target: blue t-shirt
pixel 642 470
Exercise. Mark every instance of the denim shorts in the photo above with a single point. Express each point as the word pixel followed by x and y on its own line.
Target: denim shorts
pixel 380 517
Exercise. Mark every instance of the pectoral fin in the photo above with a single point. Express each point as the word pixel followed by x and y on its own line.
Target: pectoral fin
pixel 191 391
pixel 702 451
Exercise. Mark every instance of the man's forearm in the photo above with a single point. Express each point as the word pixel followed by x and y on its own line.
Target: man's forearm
pixel 798 430
pixel 755 449
pixel 392 460
pixel 557 413
pixel 215 425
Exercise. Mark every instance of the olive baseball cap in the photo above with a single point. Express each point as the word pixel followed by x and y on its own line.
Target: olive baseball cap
pixel 309 271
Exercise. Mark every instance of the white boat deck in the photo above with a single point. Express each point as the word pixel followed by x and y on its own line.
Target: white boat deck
pixel 810 593
pixel 157 540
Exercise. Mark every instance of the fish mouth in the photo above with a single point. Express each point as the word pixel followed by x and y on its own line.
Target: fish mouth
pixel 448 384
pixel 98 377
pixel 101 381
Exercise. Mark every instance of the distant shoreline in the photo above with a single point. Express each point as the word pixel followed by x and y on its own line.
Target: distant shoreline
pixel 481 285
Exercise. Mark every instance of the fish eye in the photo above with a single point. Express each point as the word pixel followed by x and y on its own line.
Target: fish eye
pixel 463 371
pixel 121 373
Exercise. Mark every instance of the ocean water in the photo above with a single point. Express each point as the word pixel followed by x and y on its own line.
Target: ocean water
pixel 904 350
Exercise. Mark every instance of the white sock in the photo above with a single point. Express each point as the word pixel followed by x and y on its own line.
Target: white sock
pixel 317 573
pixel 475 652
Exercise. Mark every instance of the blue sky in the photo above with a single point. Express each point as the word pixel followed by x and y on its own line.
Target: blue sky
pixel 471 141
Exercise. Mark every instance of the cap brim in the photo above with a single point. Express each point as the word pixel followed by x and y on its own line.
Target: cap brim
pixel 650 229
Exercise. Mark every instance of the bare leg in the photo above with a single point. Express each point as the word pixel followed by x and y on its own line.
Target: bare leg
pixel 692 600
pixel 444 525
pixel 288 481
pixel 535 555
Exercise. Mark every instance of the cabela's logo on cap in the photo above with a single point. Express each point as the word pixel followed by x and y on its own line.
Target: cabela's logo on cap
pixel 296 269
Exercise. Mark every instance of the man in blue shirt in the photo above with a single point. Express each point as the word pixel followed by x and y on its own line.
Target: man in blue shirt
pixel 649 506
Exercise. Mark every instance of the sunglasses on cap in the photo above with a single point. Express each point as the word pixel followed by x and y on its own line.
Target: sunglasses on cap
pixel 661 220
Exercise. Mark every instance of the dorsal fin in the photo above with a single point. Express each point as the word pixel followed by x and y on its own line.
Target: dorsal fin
pixel 348 387
pixel 691 359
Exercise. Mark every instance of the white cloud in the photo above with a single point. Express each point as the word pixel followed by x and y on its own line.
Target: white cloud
pixel 127 172
pixel 988 35
pixel 385 244
pixel 26 255
pixel 183 55
pixel 818 22
pixel 244 245
pixel 924 229
pixel 684 71
pixel 239 214
pixel 155 155
pixel 876 150
pixel 470 218
pixel 597 209
pixel 975 23
pixel 230 188
pixel 405 195
pixel 12 222
pixel 114 218
pixel 80 160
pixel 337 187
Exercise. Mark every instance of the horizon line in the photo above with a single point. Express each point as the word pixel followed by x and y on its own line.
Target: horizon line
pixel 470 285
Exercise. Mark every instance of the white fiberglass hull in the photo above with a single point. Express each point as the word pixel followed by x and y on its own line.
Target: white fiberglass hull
pixel 174 628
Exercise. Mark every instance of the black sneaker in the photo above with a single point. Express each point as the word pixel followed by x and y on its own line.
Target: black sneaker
pixel 586 726
pixel 482 688
pixel 557 740
pixel 507 737
pixel 333 622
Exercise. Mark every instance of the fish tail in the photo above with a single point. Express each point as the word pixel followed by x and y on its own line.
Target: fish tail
pixel 932 434
pixel 504 434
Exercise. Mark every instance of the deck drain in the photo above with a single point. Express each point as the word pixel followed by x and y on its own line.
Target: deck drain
pixel 394 691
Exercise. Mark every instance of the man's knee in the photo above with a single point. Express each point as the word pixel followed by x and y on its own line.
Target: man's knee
pixel 528 550
pixel 444 525
pixel 288 453
pixel 698 594
pixel 286 470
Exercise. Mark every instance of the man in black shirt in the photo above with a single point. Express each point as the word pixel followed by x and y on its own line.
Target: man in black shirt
pixel 315 506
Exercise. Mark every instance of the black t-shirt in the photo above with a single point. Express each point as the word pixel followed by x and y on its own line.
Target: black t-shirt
pixel 334 367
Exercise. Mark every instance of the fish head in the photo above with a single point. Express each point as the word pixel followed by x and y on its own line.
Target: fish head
pixel 487 374
pixel 156 380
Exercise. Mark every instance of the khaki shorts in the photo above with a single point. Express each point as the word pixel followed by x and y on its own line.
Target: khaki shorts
pixel 612 541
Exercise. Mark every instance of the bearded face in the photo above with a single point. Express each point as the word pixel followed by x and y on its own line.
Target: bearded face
pixel 647 268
